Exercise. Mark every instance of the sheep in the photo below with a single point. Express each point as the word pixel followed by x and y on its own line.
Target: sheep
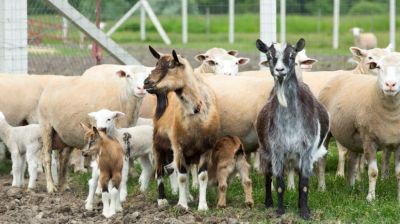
pixel 110 158
pixel 364 40
pixel 291 126
pixel 364 114
pixel 186 121
pixel 137 142
pixel 24 144
pixel 213 52
pixel 78 96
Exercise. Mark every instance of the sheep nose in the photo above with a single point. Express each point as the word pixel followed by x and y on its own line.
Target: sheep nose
pixel 390 84
pixel 227 73
pixel 141 88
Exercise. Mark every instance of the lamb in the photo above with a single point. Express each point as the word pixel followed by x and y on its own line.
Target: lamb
pixel 291 125
pixel 78 96
pixel 109 157
pixel 186 121
pixel 218 61
pixel 24 144
pixel 364 40
pixel 368 117
pixel 137 142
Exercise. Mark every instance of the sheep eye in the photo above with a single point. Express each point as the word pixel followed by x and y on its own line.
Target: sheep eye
pixel 370 58
pixel 237 63
pixel 216 63
pixel 108 119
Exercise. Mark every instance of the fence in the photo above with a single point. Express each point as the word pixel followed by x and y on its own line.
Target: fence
pixel 56 46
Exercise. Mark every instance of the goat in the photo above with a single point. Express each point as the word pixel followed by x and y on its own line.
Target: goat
pixel 291 126
pixel 186 121
pixel 110 157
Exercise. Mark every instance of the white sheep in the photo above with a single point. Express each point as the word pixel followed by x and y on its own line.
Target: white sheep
pixel 24 144
pixel 137 142
pixel 364 40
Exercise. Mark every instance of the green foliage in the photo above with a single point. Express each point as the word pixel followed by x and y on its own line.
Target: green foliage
pixel 368 8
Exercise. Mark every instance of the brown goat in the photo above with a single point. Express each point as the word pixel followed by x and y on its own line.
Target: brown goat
pixel 110 157
pixel 186 121
pixel 227 158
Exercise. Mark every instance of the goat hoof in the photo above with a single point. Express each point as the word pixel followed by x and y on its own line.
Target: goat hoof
pixel 250 204
pixel 280 211
pixel 162 202
pixel 51 188
pixel 182 206
pixel 269 204
pixel 370 197
pixel 305 214
pixel 221 206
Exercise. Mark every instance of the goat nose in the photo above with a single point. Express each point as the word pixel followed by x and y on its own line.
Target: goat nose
pixel 146 81
pixel 390 84
pixel 279 69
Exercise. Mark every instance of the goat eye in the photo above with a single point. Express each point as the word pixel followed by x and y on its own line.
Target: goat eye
pixel 370 58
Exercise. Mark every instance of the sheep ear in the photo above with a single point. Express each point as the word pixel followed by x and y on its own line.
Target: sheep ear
pixel 121 74
pixel 261 46
pixel 84 127
pixel 309 61
pixel 243 61
pixel 118 114
pixel 301 43
pixel 233 52
pixel 201 57
pixel 176 59
pixel 92 114
pixel 389 48
pixel 264 63
pixel 211 62
pixel 358 52
pixel 154 53
pixel 372 65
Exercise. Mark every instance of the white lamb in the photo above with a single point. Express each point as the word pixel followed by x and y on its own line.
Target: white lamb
pixel 137 142
pixel 24 144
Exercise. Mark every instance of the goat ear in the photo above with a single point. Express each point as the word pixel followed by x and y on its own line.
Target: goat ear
pixel 264 63
pixel 358 52
pixel 118 114
pixel 84 127
pixel 243 61
pixel 301 43
pixel 201 57
pixel 96 132
pixel 154 53
pixel 233 52
pixel 176 59
pixel 261 46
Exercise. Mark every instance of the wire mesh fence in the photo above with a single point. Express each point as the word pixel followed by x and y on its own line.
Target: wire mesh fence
pixel 57 46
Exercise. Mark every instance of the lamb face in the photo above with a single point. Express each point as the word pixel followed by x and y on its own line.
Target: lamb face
pixel 2 117
pixel 105 119
pixel 226 64
pixel 388 69
pixel 140 76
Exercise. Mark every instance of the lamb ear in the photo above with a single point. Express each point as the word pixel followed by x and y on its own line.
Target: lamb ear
pixel 201 57
pixel 301 43
pixel 154 53
pixel 211 62
pixel 243 61
pixel 261 46
pixel 92 114
pixel 309 61
pixel 358 52
pixel 118 114
pixel 176 59
pixel 233 52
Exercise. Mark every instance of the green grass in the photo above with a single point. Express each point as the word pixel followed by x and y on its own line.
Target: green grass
pixel 316 30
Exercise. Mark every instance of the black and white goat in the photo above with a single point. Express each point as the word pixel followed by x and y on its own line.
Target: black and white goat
pixel 291 126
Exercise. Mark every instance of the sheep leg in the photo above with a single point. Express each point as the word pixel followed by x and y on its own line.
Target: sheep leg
pixel 54 166
pixel 370 151
pixel 125 172
pixel 203 181
pixel 244 170
pixel 32 154
pixel 145 176
pixel 47 133
pixel 64 159
pixel 256 163
pixel 303 197
pixel 397 170
pixel 342 151
pixel 92 186
pixel 23 168
pixel 386 153
pixel 2 150
pixel 15 157
pixel 195 181
pixel 321 174
pixel 354 159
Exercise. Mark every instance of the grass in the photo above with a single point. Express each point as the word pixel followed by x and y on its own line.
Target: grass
pixel 316 30
pixel 339 203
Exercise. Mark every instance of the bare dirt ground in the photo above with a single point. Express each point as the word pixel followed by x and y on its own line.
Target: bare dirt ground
pixel 21 206
pixel 76 65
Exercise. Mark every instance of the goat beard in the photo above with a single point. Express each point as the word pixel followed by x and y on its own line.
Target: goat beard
pixel 281 94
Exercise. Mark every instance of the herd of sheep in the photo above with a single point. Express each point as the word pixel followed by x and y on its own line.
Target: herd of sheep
pixel 205 121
